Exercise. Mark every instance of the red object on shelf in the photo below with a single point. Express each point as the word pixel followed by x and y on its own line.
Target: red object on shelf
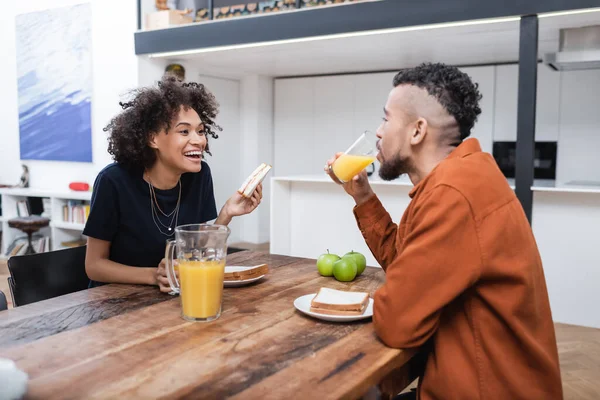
pixel 79 186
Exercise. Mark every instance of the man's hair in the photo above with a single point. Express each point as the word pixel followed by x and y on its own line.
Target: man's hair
pixel 452 88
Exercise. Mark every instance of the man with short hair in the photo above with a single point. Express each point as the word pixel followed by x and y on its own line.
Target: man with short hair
pixel 464 278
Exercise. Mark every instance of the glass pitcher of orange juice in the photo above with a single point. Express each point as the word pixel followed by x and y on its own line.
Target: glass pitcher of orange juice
pixel 200 251
pixel 359 156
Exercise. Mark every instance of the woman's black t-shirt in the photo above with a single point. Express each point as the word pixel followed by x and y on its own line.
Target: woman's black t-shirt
pixel 121 212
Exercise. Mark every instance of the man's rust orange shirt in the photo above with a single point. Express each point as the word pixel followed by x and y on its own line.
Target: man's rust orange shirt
pixel 464 276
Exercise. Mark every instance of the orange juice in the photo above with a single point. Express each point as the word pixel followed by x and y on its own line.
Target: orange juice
pixel 347 166
pixel 201 287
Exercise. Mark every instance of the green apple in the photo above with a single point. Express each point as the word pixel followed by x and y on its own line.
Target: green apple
pixel 359 259
pixel 325 263
pixel 345 269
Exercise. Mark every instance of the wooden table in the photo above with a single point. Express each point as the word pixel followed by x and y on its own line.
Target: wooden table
pixel 125 341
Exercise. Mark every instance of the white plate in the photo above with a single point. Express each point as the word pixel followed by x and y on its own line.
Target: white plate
pixel 302 304
pixel 240 283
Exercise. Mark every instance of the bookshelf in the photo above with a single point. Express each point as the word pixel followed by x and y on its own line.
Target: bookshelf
pixel 59 230
pixel 67 225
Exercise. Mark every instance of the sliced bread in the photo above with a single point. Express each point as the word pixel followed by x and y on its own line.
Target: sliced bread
pixel 339 302
pixel 254 179
pixel 243 273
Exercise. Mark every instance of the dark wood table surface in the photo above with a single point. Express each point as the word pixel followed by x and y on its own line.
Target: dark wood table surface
pixel 127 341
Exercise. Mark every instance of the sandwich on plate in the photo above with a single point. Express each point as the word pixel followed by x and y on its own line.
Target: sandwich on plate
pixel 254 179
pixel 339 302
pixel 244 273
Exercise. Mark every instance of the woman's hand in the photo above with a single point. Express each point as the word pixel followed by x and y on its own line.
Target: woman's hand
pixel 161 277
pixel 238 205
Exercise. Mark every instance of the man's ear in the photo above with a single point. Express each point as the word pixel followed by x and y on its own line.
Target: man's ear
pixel 419 132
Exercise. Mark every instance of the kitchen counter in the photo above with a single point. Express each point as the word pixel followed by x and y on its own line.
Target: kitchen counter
pixel 374 180
pixel 539 185
pixel 568 187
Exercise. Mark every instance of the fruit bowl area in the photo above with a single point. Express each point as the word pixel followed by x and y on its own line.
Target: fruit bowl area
pixel 343 269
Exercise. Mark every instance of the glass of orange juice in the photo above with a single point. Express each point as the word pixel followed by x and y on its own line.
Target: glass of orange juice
pixel 200 251
pixel 358 157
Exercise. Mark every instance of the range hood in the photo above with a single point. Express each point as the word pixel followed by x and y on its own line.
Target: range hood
pixel 579 49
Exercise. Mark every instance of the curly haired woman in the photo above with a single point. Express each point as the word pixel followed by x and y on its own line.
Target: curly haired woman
pixel 158 181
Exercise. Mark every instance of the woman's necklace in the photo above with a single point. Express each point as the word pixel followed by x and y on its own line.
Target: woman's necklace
pixel 154 206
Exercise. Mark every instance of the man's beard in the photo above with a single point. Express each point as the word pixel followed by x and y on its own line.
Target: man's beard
pixel 394 168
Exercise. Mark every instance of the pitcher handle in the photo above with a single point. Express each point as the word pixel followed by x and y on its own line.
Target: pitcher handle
pixel 171 275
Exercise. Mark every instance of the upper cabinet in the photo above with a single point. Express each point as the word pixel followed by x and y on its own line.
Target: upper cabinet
pixel 294 133
pixel 577 158
pixel 482 131
pixel 506 98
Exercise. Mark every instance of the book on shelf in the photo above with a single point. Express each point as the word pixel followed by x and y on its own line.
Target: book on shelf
pixel 76 212
pixel 47 207
pixel 22 208
pixel 18 247
pixel 74 243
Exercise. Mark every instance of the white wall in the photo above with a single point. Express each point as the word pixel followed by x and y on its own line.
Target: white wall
pixel 256 132
pixel 225 163
pixel 115 70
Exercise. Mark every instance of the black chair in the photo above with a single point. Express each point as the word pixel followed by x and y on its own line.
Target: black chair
pixel 42 276
pixel 231 250
pixel 3 303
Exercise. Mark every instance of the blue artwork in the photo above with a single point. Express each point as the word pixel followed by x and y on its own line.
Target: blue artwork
pixel 54 70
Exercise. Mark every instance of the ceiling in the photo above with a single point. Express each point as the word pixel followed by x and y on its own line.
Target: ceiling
pixel 481 43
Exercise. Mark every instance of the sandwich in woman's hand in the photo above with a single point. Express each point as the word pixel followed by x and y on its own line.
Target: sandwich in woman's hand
pixel 254 179
pixel 339 302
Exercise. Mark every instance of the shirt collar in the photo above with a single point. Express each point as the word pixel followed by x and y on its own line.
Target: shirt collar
pixel 467 147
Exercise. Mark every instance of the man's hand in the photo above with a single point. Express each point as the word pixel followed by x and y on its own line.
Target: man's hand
pixel 359 187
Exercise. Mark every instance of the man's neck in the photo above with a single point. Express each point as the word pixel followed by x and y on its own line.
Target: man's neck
pixel 162 177
pixel 428 162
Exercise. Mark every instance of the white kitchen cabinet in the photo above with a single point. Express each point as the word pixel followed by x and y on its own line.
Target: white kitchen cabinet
pixel 506 98
pixel 293 125
pixel 333 128
pixel 484 126
pixel 370 95
pixel 579 140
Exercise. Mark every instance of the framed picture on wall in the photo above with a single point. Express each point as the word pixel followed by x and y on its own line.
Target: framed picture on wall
pixel 54 70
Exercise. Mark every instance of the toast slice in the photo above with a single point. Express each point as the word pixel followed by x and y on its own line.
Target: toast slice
pixel 339 302
pixel 243 273
pixel 336 312
pixel 254 179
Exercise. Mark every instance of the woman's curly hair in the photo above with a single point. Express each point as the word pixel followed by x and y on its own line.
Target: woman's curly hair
pixel 151 110
pixel 452 88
